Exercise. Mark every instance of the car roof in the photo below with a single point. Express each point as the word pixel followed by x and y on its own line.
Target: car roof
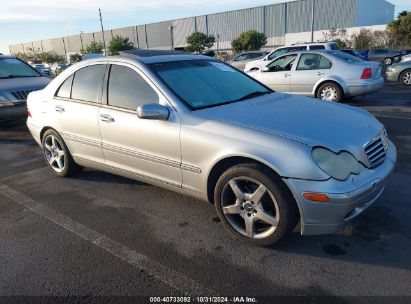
pixel 6 57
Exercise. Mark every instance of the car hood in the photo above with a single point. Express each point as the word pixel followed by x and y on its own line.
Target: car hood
pixel 23 84
pixel 307 120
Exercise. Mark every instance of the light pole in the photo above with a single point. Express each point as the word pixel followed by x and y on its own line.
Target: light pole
pixel 218 42
pixel 312 21
pixel 102 32
pixel 81 40
pixel 171 28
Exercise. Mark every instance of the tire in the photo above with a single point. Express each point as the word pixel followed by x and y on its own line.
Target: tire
pixel 388 61
pixel 270 213
pixel 57 155
pixel 330 91
pixel 405 77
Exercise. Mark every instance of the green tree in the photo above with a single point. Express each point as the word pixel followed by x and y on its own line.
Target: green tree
pixel 94 47
pixel 400 29
pixel 119 43
pixel 339 36
pixel 363 40
pixel 50 57
pixel 198 42
pixel 249 41
pixel 75 58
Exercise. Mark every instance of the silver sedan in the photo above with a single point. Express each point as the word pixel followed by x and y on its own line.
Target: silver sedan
pixel 195 125
pixel 328 75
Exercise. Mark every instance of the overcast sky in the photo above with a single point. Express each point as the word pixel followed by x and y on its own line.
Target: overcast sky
pixel 30 20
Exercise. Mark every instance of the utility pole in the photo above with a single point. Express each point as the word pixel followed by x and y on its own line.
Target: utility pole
pixel 102 32
pixel 312 21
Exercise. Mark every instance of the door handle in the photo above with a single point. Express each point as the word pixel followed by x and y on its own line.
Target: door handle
pixel 106 118
pixel 287 75
pixel 320 74
pixel 59 109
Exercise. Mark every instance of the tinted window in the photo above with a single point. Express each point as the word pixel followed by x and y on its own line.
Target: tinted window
pixel 284 63
pixel 15 68
pixel 313 62
pixel 346 57
pixel 241 57
pixel 65 89
pixel 278 53
pixel 317 47
pixel 254 55
pixel 297 48
pixel 207 83
pixel 88 83
pixel 127 89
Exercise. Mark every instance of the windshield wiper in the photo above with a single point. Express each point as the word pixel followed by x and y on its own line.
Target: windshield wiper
pixel 252 95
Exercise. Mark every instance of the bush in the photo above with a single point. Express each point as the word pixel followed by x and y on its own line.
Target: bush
pixel 198 42
pixel 249 41
pixel 119 43
pixel 94 47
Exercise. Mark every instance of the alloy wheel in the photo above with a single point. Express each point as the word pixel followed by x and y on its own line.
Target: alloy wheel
pixel 250 207
pixel 406 78
pixel 329 93
pixel 387 61
pixel 54 153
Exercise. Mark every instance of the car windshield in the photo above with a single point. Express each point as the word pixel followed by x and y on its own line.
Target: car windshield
pixel 346 57
pixel 207 83
pixel 15 68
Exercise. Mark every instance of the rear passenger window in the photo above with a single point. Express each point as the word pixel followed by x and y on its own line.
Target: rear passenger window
pixel 313 62
pixel 65 89
pixel 88 83
pixel 128 90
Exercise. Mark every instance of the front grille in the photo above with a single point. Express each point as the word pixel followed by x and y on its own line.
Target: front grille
pixel 21 95
pixel 376 151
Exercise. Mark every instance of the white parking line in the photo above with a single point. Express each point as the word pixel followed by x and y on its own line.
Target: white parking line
pixel 171 277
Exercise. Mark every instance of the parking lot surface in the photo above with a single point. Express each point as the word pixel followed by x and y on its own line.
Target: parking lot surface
pixel 99 234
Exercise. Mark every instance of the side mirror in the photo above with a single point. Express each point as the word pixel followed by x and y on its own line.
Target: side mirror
pixel 153 111
pixel 265 69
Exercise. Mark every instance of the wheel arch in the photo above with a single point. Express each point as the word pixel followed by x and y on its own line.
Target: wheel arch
pixel 338 82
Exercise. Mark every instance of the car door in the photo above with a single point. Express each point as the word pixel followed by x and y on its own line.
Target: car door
pixel 311 68
pixel 277 75
pixel 147 148
pixel 75 108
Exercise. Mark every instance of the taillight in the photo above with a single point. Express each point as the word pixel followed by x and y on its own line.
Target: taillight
pixel 366 74
pixel 28 113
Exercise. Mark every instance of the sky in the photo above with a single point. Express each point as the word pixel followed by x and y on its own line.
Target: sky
pixel 31 20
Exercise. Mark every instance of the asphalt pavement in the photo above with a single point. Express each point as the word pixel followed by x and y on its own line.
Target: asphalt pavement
pixel 97 234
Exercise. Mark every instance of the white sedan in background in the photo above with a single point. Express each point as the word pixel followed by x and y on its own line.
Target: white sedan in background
pixel 328 75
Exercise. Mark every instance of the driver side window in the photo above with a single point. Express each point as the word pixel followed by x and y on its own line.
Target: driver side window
pixel 278 53
pixel 284 63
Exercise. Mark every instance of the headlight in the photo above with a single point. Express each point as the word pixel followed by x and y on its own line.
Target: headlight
pixel 5 101
pixel 338 166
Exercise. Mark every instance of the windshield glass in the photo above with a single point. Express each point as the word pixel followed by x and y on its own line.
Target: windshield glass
pixel 15 68
pixel 346 57
pixel 207 83
pixel 334 46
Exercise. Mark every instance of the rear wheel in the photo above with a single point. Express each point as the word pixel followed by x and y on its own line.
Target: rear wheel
pixel 57 155
pixel 330 91
pixel 253 205
pixel 388 61
pixel 405 77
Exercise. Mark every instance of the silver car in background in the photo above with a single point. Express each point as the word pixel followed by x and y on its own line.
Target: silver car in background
pixel 239 61
pixel 17 80
pixel 328 75
pixel 195 125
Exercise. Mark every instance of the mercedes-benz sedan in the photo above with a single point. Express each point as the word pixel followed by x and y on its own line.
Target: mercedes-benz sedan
pixel 195 125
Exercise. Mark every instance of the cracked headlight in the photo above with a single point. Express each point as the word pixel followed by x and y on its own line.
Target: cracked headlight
pixel 339 166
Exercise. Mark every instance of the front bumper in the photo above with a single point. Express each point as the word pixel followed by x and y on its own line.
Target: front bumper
pixel 392 75
pixel 348 199
pixel 363 87
pixel 13 112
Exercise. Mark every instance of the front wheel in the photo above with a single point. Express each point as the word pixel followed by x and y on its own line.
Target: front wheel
pixel 253 205
pixel 330 91
pixel 57 155
pixel 405 77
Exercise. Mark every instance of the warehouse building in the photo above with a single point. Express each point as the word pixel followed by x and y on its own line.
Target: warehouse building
pixel 283 24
